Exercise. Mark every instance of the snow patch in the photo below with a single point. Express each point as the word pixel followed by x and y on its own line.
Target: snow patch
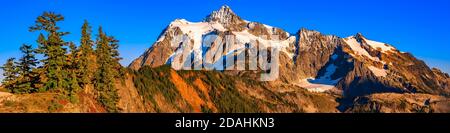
pixel 359 50
pixel 268 26
pixel 383 46
pixel 218 26
pixel 195 31
pixel 321 84
pixel 377 71
pixel 356 47
pixel 246 37
pixel 161 38
pixel 317 85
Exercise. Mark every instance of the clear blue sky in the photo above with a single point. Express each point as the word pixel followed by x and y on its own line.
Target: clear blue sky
pixel 417 26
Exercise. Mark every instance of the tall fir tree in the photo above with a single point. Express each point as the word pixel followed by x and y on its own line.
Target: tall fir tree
pixel 72 68
pixel 104 79
pixel 86 63
pixel 114 50
pixel 53 51
pixel 10 73
pixel 26 66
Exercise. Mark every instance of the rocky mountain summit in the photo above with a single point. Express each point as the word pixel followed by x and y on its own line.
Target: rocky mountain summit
pixel 354 66
pixel 225 64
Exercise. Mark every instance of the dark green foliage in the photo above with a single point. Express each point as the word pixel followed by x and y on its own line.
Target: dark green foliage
pixel 206 110
pixel 86 62
pixel 42 47
pixel 106 72
pixel 150 81
pixel 72 68
pixel 114 49
pixel 55 105
pixel 63 72
pixel 10 73
pixel 223 93
pixel 20 76
pixel 26 64
pixel 52 49
pixel 228 100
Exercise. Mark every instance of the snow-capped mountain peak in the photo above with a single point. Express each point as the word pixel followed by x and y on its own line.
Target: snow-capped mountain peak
pixel 383 47
pixel 308 59
pixel 224 16
pixel 363 46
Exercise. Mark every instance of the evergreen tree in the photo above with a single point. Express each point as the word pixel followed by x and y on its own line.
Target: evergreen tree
pixel 25 66
pixel 104 79
pixel 72 68
pixel 10 74
pixel 41 70
pixel 86 63
pixel 114 50
pixel 52 49
pixel 41 45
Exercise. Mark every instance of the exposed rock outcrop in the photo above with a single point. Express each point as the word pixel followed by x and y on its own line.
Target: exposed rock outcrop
pixel 353 67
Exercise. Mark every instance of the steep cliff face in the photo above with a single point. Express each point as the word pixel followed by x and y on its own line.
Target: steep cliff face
pixel 158 54
pixel 379 67
pixel 184 44
pixel 227 18
pixel 130 100
pixel 314 51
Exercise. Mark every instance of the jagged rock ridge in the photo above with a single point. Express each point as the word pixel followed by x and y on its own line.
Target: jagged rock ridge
pixel 354 66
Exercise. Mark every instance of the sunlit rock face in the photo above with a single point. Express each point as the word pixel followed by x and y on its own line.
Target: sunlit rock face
pixel 353 66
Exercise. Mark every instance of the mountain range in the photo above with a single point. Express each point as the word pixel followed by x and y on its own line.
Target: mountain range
pixel 352 67
pixel 227 64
